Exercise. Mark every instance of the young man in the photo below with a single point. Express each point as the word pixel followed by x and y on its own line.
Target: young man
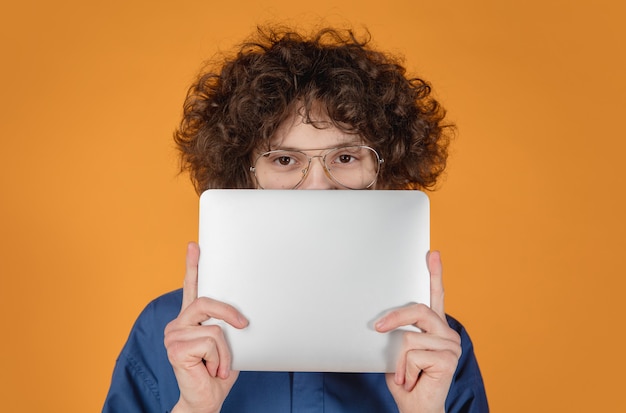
pixel 295 112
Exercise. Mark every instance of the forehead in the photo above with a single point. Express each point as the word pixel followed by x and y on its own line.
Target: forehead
pixel 296 133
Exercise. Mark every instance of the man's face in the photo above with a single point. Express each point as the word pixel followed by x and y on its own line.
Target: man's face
pixel 320 156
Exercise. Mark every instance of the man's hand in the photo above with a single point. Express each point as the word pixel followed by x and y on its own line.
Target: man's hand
pixel 428 359
pixel 199 353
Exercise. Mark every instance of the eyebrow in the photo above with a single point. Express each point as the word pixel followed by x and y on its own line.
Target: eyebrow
pixel 288 148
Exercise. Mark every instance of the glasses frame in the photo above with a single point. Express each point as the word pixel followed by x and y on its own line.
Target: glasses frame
pixel 322 156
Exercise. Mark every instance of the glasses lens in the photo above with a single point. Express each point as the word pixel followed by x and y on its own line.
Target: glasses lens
pixel 280 169
pixel 355 167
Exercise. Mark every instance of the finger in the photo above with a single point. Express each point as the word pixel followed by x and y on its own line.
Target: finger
pixel 204 308
pixel 409 366
pixel 218 357
pixel 433 366
pixel 418 315
pixel 418 342
pixel 449 341
pixel 414 366
pixel 400 374
pixel 436 283
pixel 190 284
pixel 206 352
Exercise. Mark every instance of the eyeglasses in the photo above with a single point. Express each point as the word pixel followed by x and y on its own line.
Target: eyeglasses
pixel 353 167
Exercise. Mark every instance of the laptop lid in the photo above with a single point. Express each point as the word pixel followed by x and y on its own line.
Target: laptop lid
pixel 312 271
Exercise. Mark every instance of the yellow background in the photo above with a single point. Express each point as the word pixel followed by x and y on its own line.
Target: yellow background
pixel 95 219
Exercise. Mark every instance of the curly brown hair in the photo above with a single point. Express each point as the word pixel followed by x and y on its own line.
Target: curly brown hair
pixel 233 111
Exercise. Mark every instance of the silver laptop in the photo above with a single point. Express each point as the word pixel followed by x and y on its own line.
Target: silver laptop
pixel 312 271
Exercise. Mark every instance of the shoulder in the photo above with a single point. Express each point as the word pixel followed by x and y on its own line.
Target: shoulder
pixel 144 353
pixel 156 315
pixel 460 329
pixel 143 379
pixel 467 392
pixel 166 306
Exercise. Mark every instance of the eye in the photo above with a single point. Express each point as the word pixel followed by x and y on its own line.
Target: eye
pixel 284 160
pixel 345 158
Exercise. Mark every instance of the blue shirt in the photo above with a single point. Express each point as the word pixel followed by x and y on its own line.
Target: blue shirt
pixel 143 379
